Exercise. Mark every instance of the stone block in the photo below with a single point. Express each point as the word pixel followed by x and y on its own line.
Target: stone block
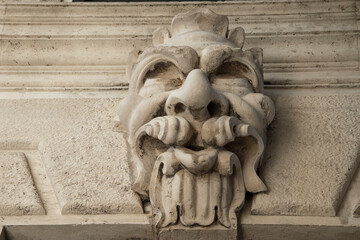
pixel 210 233
pixel 79 232
pixel 90 173
pixel 301 232
pixel 59 44
pixel 86 160
pixel 19 195
pixel 311 156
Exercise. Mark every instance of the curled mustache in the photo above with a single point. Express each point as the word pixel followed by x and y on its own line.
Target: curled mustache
pixel 175 130
pixel 215 133
pixel 171 130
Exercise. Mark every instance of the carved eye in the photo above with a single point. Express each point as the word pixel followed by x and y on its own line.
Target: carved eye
pixel 234 68
pixel 230 77
pixel 163 77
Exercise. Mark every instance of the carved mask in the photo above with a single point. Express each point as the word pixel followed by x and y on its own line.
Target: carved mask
pixel 196 119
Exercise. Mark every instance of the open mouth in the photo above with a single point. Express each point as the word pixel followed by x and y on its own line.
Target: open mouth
pixel 197 162
pixel 195 148
pixel 167 143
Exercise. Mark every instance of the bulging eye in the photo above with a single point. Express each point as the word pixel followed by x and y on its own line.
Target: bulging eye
pixel 238 86
pixel 230 77
pixel 233 68
pixel 153 86
pixel 163 77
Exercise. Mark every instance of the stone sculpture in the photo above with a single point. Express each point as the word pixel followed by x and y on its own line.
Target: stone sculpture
pixel 197 120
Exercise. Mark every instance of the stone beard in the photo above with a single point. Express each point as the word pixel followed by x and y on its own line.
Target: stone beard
pixel 197 120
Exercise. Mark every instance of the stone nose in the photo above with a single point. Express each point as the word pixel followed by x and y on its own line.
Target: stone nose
pixel 196 99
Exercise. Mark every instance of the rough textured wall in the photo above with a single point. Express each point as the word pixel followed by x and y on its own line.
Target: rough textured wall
pixel 62 74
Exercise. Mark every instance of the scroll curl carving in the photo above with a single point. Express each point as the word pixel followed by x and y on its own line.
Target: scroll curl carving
pixel 197 118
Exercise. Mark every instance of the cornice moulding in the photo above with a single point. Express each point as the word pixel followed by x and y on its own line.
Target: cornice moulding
pixel 112 77
pixel 57 44
pixel 228 7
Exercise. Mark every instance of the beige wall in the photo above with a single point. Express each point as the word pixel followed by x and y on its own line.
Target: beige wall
pixel 62 75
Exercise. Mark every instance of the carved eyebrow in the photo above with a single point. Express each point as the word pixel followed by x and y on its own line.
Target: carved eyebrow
pixel 213 57
pixel 184 58
pixel 163 69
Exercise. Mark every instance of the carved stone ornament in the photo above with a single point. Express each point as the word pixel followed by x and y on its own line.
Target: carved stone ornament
pixel 196 118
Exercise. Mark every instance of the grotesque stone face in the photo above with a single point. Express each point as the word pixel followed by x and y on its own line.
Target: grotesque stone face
pixel 197 120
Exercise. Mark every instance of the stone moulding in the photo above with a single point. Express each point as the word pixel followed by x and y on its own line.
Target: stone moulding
pixel 74 34
pixel 196 118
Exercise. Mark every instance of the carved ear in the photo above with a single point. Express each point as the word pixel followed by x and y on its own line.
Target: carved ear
pixel 269 109
pixel 263 104
pixel 133 56
pixel 125 109
pixel 258 56
pixel 160 35
pixel 237 36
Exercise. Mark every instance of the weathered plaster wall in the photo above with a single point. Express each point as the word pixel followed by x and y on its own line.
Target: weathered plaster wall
pixel 62 74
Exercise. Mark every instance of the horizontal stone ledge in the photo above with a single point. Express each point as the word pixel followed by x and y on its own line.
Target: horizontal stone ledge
pixel 79 227
pixel 248 219
pixel 55 79
pixel 121 92
pixel 308 232
pixel 121 69
pixel 258 227
pixel 256 7
pixel 59 93
pixel 139 225
pixel 352 82
pixel 127 232
pixel 312 78
pixel 114 51
pixel 120 27
pixel 112 77
pixel 141 219
pixel 124 35
pixel 148 20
